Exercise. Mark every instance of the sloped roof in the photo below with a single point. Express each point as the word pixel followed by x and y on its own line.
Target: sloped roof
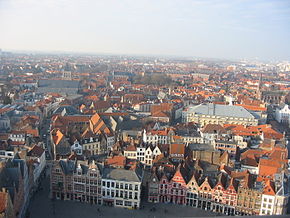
pixel 220 110
pixel 269 188
pixel 36 151
pixel 120 175
pixel 176 149
pixel 213 128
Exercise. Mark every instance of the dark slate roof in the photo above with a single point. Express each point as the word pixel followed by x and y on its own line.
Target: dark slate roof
pixel 67 166
pixel 221 110
pixel 200 147
pixel 70 110
pixel 59 86
pixel 121 175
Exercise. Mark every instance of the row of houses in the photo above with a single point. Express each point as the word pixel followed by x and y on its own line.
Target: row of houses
pixel 20 176
pixel 93 183
pixel 230 192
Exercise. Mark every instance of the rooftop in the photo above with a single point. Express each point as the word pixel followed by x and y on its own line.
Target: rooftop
pixel 220 110
pixel 121 175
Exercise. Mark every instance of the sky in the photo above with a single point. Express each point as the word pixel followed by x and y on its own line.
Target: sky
pixel 231 29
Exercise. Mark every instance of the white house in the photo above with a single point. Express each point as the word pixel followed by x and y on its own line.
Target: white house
pixel 6 154
pixel 5 123
pixel 37 154
pixel 17 136
pixel 121 188
pixel 155 137
pixel 282 114
pixel 274 198
pixel 151 153
pixel 110 141
pixel 141 153
pixel 131 152
pixel 77 148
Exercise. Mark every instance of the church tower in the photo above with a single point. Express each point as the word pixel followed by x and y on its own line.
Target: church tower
pixel 260 87
pixel 66 73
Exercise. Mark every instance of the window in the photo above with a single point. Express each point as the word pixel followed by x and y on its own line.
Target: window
pixel 263 211
pixel 128 203
pixel 270 200
pixel 118 202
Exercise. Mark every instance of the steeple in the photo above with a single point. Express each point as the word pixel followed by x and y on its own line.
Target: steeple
pixel 66 74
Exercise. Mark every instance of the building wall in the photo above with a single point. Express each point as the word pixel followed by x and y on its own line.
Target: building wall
pixel 121 193
pixel 249 201
pixel 281 204
pixel 267 205
pixel 203 120
pixel 76 186
pixel 93 147
pixel 130 154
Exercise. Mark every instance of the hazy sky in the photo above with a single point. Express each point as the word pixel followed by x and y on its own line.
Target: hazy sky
pixel 203 28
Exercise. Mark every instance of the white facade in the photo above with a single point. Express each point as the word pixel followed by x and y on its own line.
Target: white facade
pixel 77 148
pixel 130 154
pixel 110 142
pixel 39 167
pixel 241 141
pixel 267 204
pixel 282 115
pixel 192 139
pixel 93 145
pixel 150 154
pixel 6 154
pixel 5 123
pixel 252 169
pixel 155 138
pixel 17 137
pixel 121 188
pixel 141 154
